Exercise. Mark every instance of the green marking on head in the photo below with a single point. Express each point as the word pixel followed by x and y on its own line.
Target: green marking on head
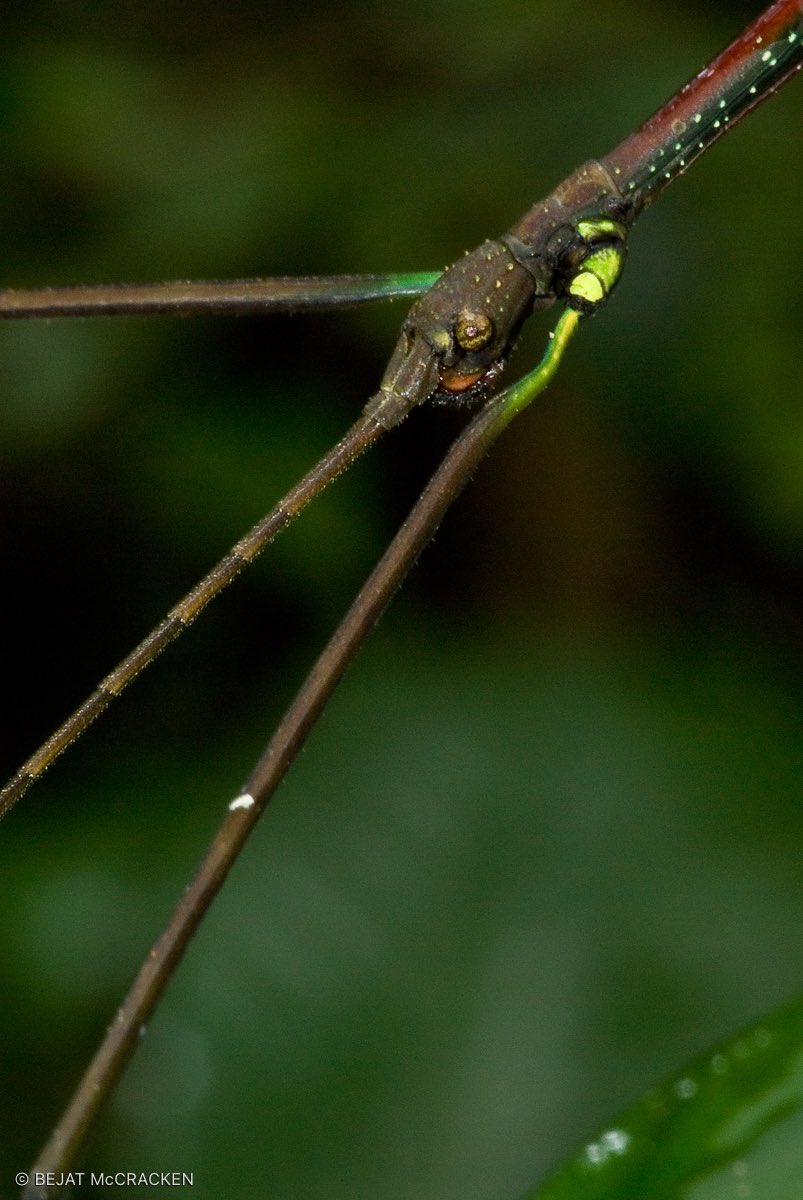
pixel 606 263
pixel 587 288
pixel 594 231
pixel 595 280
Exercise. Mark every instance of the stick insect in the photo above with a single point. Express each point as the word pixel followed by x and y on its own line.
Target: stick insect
pixel 616 219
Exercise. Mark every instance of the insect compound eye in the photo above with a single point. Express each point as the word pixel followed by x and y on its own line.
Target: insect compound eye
pixel 473 331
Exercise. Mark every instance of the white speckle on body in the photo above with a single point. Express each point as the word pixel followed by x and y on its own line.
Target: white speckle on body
pixel 246 800
pixel 685 1088
pixel 611 1142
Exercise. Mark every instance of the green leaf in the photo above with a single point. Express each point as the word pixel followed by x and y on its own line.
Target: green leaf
pixel 728 1126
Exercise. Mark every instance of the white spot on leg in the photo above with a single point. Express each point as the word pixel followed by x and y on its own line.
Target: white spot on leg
pixel 614 1142
pixel 246 800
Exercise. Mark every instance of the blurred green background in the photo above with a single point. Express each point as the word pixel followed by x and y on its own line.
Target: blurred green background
pixel 547 840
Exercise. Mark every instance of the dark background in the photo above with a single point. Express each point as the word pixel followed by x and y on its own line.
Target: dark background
pixel 546 842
